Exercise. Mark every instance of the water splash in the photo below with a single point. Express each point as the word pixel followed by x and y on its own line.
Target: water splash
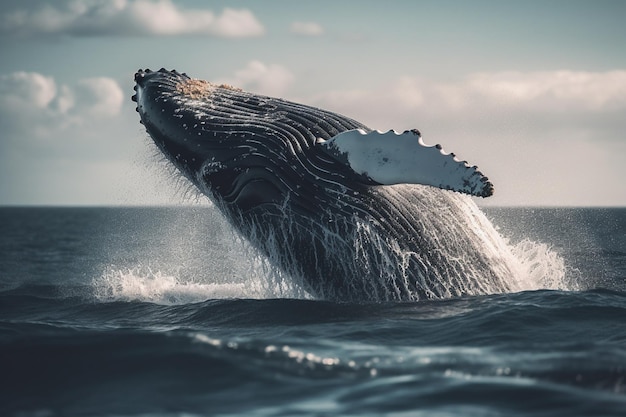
pixel 189 265
pixel 540 267
pixel 143 284
pixel 374 267
pixel 174 285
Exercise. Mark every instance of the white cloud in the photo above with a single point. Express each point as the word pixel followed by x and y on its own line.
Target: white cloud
pixel 101 96
pixel 237 24
pixel 24 89
pixel 539 136
pixel 306 28
pixel 63 143
pixel 34 93
pixel 129 18
pixel 557 90
pixel 548 93
pixel 34 108
pixel 544 138
pixel 269 79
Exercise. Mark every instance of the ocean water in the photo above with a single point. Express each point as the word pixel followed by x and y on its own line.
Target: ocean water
pixel 165 312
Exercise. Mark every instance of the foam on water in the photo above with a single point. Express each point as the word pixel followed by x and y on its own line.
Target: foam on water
pixel 144 284
pixel 540 267
pixel 534 265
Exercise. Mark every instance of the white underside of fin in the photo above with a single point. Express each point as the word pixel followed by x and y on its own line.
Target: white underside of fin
pixel 403 158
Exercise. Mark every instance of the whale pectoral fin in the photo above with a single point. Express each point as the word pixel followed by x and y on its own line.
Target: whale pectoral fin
pixel 402 158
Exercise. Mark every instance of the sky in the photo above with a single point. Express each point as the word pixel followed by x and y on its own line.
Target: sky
pixel 532 92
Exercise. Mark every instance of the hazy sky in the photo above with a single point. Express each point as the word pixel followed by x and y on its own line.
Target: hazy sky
pixel 533 92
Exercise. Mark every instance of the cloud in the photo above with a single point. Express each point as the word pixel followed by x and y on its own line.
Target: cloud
pixel 557 90
pixel 552 94
pixel 129 18
pixel 269 79
pixel 538 135
pixel 65 144
pixel 36 112
pixel 22 90
pixel 99 97
pixel 75 144
pixel 33 93
pixel 543 138
pixel 306 28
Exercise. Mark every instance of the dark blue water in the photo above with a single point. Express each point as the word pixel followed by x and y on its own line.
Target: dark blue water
pixel 160 311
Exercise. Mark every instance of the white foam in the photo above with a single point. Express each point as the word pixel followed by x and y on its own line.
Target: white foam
pixel 540 267
pixel 532 265
pixel 143 284
pixel 244 275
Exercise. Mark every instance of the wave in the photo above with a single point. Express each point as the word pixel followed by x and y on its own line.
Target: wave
pixel 561 350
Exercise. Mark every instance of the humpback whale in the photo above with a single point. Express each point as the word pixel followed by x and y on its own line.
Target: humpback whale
pixel 349 213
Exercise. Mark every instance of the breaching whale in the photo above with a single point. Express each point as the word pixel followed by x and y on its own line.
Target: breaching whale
pixel 349 213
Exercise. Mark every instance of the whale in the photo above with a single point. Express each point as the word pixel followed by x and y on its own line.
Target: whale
pixel 348 213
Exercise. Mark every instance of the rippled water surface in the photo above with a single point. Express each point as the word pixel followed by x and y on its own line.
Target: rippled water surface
pixel 162 311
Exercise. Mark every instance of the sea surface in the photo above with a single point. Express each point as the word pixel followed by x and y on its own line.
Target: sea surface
pixel 165 312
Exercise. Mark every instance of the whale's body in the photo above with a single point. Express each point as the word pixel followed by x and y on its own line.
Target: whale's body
pixel 336 230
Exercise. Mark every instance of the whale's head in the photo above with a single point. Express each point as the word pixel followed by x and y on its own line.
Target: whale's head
pixel 238 147
pixel 249 150
pixel 176 111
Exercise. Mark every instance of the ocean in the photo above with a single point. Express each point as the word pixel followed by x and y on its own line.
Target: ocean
pixel 166 312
